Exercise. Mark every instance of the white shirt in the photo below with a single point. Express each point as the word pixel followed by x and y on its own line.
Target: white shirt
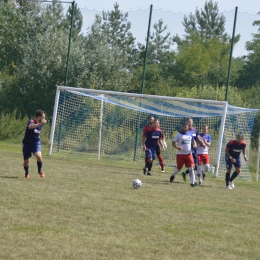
pixel 183 140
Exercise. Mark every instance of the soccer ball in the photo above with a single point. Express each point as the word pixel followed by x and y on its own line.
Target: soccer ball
pixel 137 184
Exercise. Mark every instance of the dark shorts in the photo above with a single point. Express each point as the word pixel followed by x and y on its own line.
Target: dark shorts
pixel 29 149
pixel 150 153
pixel 229 164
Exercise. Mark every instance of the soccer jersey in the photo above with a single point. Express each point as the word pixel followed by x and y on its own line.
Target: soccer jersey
pixel 193 131
pixel 201 149
pixel 152 138
pixel 184 140
pixel 235 149
pixel 32 136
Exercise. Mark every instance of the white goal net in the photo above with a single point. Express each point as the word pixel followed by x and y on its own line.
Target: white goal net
pixel 109 125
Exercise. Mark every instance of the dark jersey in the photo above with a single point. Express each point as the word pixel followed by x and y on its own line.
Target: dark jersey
pixel 32 136
pixel 152 138
pixel 235 149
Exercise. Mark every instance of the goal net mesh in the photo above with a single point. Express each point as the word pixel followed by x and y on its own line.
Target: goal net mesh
pixel 109 126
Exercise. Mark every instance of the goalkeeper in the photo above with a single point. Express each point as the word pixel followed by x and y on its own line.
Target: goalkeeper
pixel 149 142
pixel 149 128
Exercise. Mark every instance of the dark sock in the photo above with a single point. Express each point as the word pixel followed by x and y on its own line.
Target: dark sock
pixel 26 168
pixel 150 166
pixel 39 164
pixel 234 175
pixel 146 164
pixel 195 168
pixel 227 178
pixel 187 171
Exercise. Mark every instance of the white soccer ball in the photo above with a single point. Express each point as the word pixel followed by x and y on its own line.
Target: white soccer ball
pixel 137 184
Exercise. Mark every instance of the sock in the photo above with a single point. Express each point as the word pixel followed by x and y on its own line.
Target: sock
pixel 234 175
pixel 160 158
pixel 187 171
pixel 26 168
pixel 192 175
pixel 150 165
pixel 175 172
pixel 227 178
pixel 146 164
pixel 39 164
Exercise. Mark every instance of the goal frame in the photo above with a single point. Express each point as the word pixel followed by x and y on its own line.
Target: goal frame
pixel 102 92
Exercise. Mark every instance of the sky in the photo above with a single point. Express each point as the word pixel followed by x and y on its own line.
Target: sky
pixel 172 13
pixel 186 6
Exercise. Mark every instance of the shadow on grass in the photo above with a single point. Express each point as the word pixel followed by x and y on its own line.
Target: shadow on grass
pixel 9 177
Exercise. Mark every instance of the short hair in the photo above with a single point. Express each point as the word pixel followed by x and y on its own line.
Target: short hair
pixel 240 135
pixel 40 113
pixel 205 126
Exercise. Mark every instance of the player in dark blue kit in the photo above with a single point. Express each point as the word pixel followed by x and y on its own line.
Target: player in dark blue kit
pixel 233 150
pixel 149 145
pixel 32 143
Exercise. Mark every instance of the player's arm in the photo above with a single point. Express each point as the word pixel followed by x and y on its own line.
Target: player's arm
pixel 194 143
pixel 161 142
pixel 176 146
pixel 206 142
pixel 33 126
pixel 143 142
pixel 229 155
pixel 244 153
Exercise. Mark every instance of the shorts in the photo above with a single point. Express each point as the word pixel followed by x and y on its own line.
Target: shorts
pixel 29 149
pixel 237 164
pixel 203 158
pixel 184 159
pixel 150 153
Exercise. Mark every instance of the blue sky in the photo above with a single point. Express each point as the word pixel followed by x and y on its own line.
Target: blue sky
pixel 188 6
pixel 172 13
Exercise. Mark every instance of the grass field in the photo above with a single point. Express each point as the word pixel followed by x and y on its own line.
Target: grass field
pixel 87 209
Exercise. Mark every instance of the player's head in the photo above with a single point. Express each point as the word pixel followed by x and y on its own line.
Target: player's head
pixel 189 121
pixel 151 120
pixel 40 115
pixel 185 127
pixel 156 123
pixel 239 138
pixel 205 129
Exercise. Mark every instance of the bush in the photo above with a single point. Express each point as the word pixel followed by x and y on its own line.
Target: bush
pixel 12 127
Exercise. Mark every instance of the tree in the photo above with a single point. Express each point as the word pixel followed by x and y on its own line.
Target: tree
pixel 203 53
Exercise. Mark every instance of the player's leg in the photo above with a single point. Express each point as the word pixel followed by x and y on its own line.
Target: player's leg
pixel 206 165
pixel 26 162
pixel 229 167
pixel 180 162
pixel 160 158
pixel 237 165
pixel 200 156
pixel 146 164
pixel 189 163
pixel 150 161
pixel 38 154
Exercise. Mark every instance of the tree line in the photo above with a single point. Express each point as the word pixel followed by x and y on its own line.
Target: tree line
pixel 34 46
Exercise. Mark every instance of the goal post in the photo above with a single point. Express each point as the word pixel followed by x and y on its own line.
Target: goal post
pixel 108 124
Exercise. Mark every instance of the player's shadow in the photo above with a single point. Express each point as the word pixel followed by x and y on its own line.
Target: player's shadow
pixel 9 177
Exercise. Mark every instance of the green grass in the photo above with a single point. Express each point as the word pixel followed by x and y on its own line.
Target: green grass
pixel 87 209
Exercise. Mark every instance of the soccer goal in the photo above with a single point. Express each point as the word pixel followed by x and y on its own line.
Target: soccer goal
pixel 109 125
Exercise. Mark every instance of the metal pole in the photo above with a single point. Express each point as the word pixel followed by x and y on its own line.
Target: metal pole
pixel 258 158
pixel 143 80
pixel 146 50
pixel 230 56
pixel 68 56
